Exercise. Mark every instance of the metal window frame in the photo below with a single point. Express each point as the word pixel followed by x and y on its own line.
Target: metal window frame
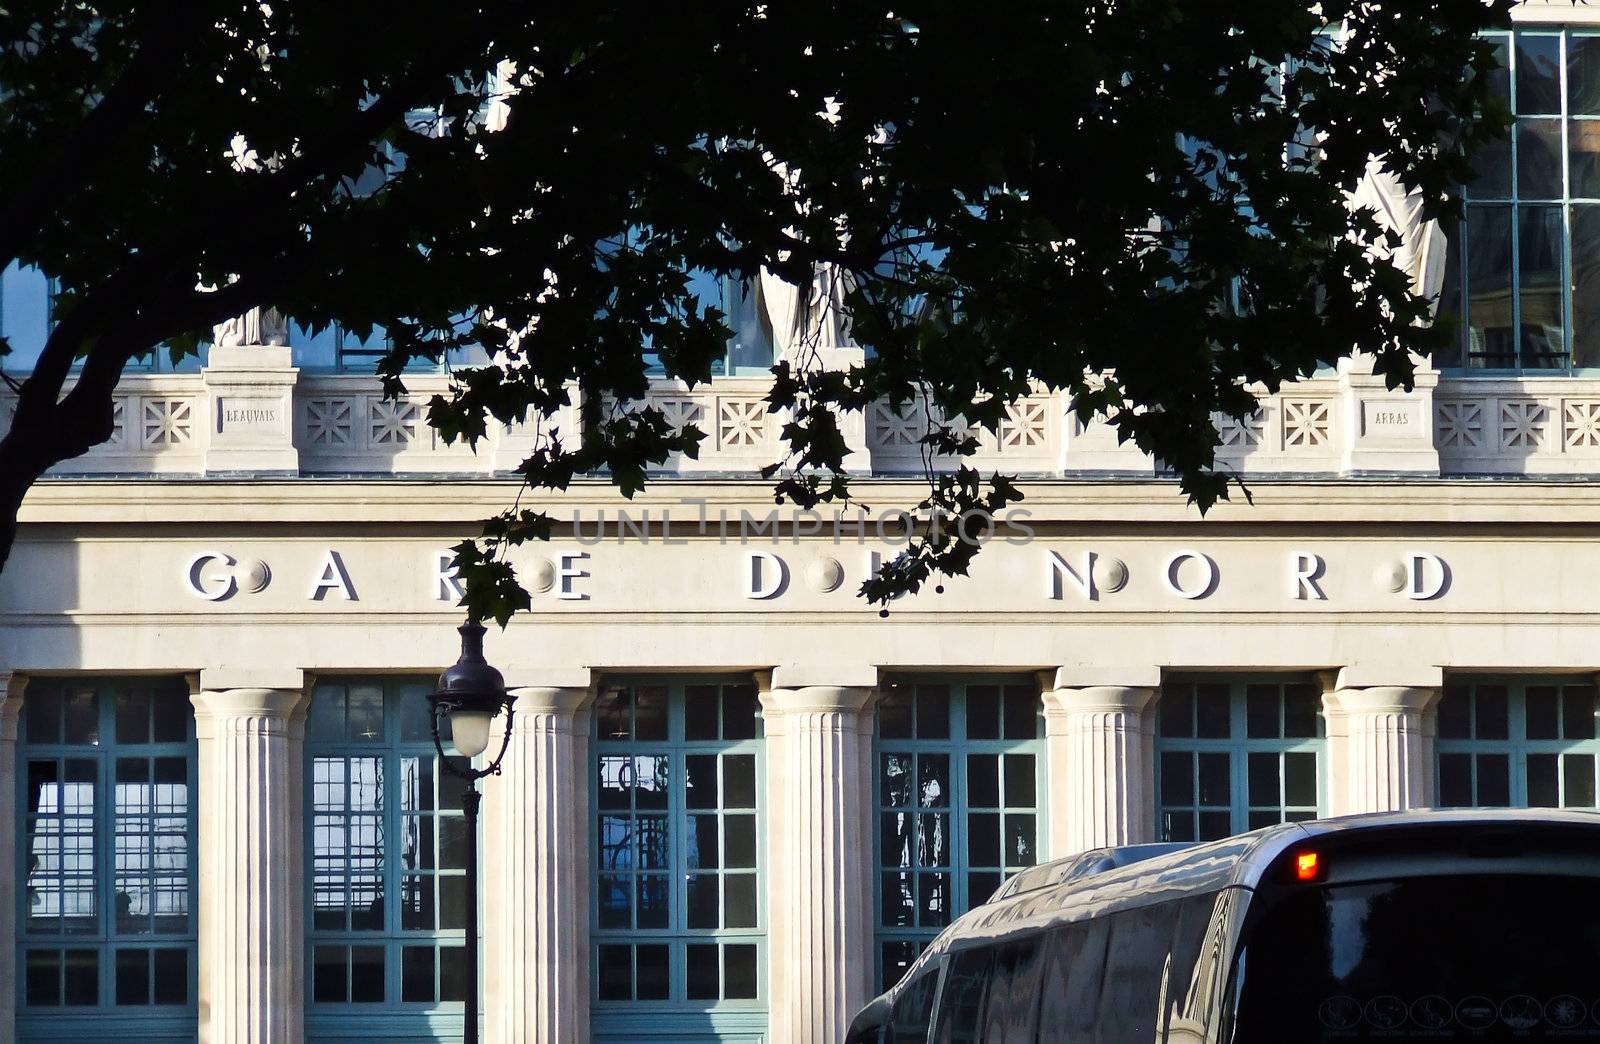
pixel 107 1018
pixel 628 1019
pixel 1517 746
pixel 957 747
pixel 392 1016
pixel 1238 745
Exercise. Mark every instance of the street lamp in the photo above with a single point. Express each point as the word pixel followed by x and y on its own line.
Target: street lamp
pixel 471 695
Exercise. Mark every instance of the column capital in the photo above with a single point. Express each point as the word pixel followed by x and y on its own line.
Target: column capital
pixel 1382 675
pixel 221 678
pixel 811 675
pixel 284 704
pixel 1083 699
pixel 816 699
pixel 1092 675
pixel 11 687
pixel 561 701
pixel 1383 699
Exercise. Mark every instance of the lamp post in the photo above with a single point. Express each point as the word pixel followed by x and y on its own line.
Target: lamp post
pixel 471 695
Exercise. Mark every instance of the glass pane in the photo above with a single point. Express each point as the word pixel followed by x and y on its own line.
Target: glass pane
pixel 898 901
pixel 83 719
pixel 1494 780
pixel 1455 780
pixel 1578 712
pixel 1489 342
pixel 651 778
pixel 981 886
pixel 82 977
pixel 704 967
pixel 1300 705
pixel 933 834
pixel 1019 780
pixel 615 901
pixel 739 898
pixel 739 706
pixel 1215 825
pixel 1263 779
pixel 1214 780
pixel 1177 778
pixel 895 779
pixel 702 851
pixel 1214 705
pixel 1539 154
pixel 740 837
pixel 1538 73
pixel 133 976
pixel 700 712
pixel 739 781
pixel 652 902
pixel 1451 355
pixel 654 981
pixel 1492 164
pixel 613 714
pixel 1300 779
pixel 366 974
pixel 1021 712
pixel 983 712
pixel 650 712
pixel 616 972
pixel 416 717
pixel 1178 826
pixel 1455 713
pixel 452 842
pixel 1491 711
pixel 894 713
pixel 1176 710
pixel 983 839
pixel 653 842
pixel 416 973
pixel 616 781
pixel 700 780
pixel 417 903
pixel 1543 788
pixel 894 838
pixel 1583 74
pixel 1540 237
pixel 1020 831
pixel 702 900
pixel 452 903
pixel 1577 776
pixel 740 971
pixel 983 780
pixel 44 716
pixel 328 975
pixel 133 726
pixel 364 713
pixel 170 720
pixel 933 780
pixel 453 972
pixel 1583 156
pixel 1261 713
pixel 171 976
pixel 933 711
pixel 1542 716
pixel 24 316
pixel 933 900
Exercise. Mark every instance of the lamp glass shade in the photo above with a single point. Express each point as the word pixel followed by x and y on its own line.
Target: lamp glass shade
pixel 469 731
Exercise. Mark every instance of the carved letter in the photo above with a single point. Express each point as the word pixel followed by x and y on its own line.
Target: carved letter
pixel 768 576
pixel 447 579
pixel 1308 568
pixel 221 588
pixel 1420 586
pixel 568 570
pixel 1058 570
pixel 334 577
pixel 1175 563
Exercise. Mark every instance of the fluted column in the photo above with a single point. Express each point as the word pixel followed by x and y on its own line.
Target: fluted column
pixel 1101 774
pixel 1384 746
pixel 10 709
pixel 535 896
pixel 251 928
pixel 818 802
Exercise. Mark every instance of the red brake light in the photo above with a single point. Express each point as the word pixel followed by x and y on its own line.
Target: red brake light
pixel 1306 866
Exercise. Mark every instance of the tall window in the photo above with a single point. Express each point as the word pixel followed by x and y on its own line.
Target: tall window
pixel 1524 273
pixel 387 851
pixel 960 775
pixel 678 920
pixel 106 861
pixel 24 316
pixel 1518 743
pixel 1233 756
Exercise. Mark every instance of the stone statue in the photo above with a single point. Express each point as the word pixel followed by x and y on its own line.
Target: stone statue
pixel 1423 247
pixel 258 326
pixel 809 316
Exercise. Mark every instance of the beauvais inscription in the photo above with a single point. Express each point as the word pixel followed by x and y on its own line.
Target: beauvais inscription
pixel 1184 574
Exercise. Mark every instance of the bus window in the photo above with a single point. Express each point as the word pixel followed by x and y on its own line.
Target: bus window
pixel 961 1004
pixel 1141 940
pixel 1199 959
pixel 913 1009
pixel 1075 959
pixel 1459 957
pixel 1012 1005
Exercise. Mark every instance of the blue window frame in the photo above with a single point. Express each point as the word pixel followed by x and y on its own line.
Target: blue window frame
pixel 386 853
pixel 1237 754
pixel 960 784
pixel 1524 742
pixel 106 920
pixel 678 917
pixel 1523 273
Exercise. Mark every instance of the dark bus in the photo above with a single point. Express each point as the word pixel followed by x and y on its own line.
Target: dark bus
pixel 1472 925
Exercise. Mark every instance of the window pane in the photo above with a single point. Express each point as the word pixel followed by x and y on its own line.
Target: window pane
pixel 82 718
pixel 1540 239
pixel 983 712
pixel 24 316
pixel 1261 713
pixel 453 972
pixel 133 716
pixel 1543 789
pixel 983 780
pixel 1263 780
pixel 1583 74
pixel 1539 154
pixel 650 713
pixel 1494 780
pixel 739 901
pixel 1542 715
pixel 1578 712
pixel 1300 707
pixel 329 983
pixel 1214 780
pixel 1583 154
pixel 1177 710
pixel 1538 88
pixel 894 713
pixel 366 974
pixel 653 979
pixel 1455 713
pixel 1489 343
pixel 704 972
pixel 739 976
pixel 1490 706
pixel 171 976
pixel 933 711
pixel 616 972
pixel 1585 285
pixel 1177 778
pixel 1019 780
pixel 700 712
pixel 133 977
pixel 739 705
pixel 82 977
pixel 1213 703
pixel 1021 712
pixel 1577 776
pixel 1455 780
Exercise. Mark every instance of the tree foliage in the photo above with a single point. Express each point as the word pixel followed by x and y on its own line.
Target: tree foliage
pixel 1142 203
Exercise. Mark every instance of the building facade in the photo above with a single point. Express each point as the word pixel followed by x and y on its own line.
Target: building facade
pixel 736 800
